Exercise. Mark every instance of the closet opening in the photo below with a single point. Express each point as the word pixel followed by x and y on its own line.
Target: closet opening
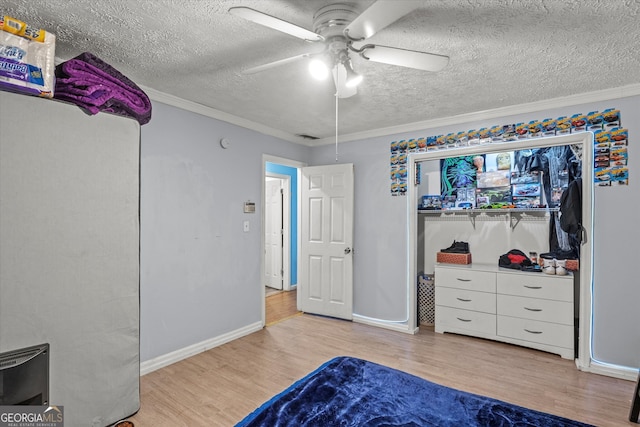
pixel 496 197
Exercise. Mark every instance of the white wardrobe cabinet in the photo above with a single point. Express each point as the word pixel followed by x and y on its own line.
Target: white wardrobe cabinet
pixel 69 252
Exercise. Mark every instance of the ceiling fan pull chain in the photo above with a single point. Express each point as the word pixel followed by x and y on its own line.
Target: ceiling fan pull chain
pixel 336 127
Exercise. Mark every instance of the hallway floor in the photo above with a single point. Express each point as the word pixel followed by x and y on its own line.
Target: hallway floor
pixel 280 306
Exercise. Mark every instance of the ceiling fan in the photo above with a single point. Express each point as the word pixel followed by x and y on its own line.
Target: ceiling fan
pixel 337 27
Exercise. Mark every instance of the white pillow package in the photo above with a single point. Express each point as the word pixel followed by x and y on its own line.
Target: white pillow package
pixel 27 58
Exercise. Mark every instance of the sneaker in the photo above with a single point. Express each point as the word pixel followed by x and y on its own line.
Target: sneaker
pixel 457 248
pixel 561 267
pixel 560 254
pixel 548 266
pixel 564 255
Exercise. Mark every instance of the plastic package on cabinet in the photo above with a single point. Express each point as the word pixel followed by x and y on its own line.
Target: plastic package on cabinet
pixel 27 58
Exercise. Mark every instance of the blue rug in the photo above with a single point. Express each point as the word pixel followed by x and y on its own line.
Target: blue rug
pixel 353 392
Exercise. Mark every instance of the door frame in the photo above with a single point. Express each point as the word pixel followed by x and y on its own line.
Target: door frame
pixel 285 162
pixel 286 227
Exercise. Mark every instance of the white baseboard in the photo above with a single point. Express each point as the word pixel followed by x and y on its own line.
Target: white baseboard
pixel 394 326
pixel 175 356
pixel 621 372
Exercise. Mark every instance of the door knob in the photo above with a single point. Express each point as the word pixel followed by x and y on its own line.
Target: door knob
pixel 347 251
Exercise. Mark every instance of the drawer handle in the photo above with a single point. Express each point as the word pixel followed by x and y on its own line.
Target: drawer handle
pixel 533 332
pixel 533 309
pixel 532 287
pixel 463 320
pixel 463 300
pixel 462 280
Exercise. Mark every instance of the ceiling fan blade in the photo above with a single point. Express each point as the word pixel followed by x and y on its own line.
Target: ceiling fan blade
pixel 340 78
pixel 378 16
pixel 275 23
pixel 275 64
pixel 404 57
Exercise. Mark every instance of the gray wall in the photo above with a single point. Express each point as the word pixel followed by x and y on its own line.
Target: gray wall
pixel 200 273
pixel 380 252
pixel 380 236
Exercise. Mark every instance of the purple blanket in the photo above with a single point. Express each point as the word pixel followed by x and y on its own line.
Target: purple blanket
pixel 96 86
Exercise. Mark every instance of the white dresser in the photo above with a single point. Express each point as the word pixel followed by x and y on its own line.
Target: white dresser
pixel 530 309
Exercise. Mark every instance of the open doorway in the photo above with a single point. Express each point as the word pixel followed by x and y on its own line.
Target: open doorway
pixel 280 241
pixel 277 255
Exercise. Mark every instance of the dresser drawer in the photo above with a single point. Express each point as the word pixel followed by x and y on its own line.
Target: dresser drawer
pixel 465 299
pixel 539 285
pixel 535 309
pixel 448 318
pixel 473 280
pixel 535 331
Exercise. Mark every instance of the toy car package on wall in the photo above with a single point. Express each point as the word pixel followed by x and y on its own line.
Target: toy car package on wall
pixel 594 121
pixel 522 130
pixel 618 137
pixel 27 57
pixel 535 128
pixel 578 123
pixel 611 117
pixel 549 127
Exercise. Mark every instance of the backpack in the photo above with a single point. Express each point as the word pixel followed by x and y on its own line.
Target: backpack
pixel 515 259
pixel 571 208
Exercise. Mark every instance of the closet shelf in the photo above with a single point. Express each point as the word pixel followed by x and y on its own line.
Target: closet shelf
pixel 487 211
pixel 512 215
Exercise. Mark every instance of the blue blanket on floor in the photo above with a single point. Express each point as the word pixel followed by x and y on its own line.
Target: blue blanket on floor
pixel 353 392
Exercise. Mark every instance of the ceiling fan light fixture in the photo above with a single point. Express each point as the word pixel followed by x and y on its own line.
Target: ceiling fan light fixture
pixel 353 78
pixel 318 69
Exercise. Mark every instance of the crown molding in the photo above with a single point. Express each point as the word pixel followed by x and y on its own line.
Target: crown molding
pixel 203 110
pixel 565 101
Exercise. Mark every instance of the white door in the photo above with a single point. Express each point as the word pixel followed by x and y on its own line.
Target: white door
pixel 273 233
pixel 325 282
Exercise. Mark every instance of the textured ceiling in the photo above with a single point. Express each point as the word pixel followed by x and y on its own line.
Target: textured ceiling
pixel 503 52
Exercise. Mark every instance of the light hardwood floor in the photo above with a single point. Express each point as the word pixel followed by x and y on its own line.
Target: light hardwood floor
pixel 280 306
pixel 221 386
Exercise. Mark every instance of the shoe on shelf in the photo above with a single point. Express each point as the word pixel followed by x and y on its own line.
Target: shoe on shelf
pixel 560 254
pixel 565 254
pixel 549 266
pixel 457 248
